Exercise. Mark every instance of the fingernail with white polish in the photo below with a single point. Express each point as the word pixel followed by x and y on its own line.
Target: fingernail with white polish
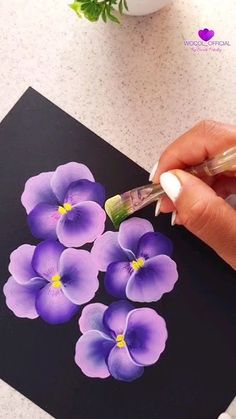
pixel 153 171
pixel 158 207
pixel 224 416
pixel 173 217
pixel 171 185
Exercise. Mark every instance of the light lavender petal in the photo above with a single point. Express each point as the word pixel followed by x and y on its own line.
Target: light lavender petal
pixel 79 275
pixel 153 244
pixel 21 264
pixel 145 335
pixel 38 190
pixel 43 220
pixel 53 306
pixel 46 258
pixel 131 231
pixel 117 277
pixel 91 352
pixel 21 298
pixel 106 250
pixel 85 190
pixel 65 174
pixel 92 318
pixel 115 316
pixel 83 224
pixel 156 277
pixel 121 365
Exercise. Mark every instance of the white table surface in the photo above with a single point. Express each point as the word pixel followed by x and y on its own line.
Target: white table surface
pixel 136 85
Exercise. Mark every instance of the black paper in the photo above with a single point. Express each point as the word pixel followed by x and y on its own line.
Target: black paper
pixel 195 376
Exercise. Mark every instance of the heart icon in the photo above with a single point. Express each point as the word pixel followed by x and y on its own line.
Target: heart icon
pixel 206 34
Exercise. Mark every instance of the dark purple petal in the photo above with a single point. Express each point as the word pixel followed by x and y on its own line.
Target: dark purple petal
pixel 91 353
pixel 38 190
pixel 131 231
pixel 66 174
pixel 158 275
pixel 92 318
pixel 79 275
pixel 53 306
pixel 43 221
pixel 121 365
pixel 115 316
pixel 145 335
pixel 106 250
pixel 153 244
pixel 116 278
pixel 46 258
pixel 21 298
pixel 83 224
pixel 85 190
pixel 20 264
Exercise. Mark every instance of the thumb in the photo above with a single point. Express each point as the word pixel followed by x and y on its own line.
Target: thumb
pixel 202 212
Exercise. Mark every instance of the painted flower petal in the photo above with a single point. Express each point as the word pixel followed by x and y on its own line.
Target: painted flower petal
pixel 92 318
pixel 106 250
pixel 21 298
pixel 79 275
pixel 43 221
pixel 67 173
pixel 116 278
pixel 153 244
pixel 158 275
pixel 38 190
pixel 145 335
pixel 53 306
pixel 115 316
pixel 20 264
pixel 85 190
pixel 121 365
pixel 46 258
pixel 91 352
pixel 83 224
pixel 131 231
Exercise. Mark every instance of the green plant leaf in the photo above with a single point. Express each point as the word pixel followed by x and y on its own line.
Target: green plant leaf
pixel 104 15
pixel 76 7
pixel 113 18
pixel 110 9
pixel 86 5
pixel 92 10
pixel 121 7
pixel 126 5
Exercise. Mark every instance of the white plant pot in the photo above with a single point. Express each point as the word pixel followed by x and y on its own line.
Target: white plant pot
pixel 144 7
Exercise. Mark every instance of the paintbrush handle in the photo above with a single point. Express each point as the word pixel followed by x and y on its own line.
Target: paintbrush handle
pixel 223 162
pixel 143 196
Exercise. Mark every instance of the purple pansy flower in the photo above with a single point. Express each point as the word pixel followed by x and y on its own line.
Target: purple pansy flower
pixel 119 340
pixel 65 204
pixel 50 281
pixel 136 260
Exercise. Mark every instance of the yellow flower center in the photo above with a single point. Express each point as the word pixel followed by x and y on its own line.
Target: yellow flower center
pixel 137 264
pixel 120 341
pixel 65 208
pixel 56 281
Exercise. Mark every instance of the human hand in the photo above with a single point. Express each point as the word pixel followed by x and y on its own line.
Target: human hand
pixel 199 205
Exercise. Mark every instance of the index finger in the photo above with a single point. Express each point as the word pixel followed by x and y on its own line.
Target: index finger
pixel 205 140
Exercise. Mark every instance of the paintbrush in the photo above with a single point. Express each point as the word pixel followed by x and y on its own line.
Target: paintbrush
pixel 119 207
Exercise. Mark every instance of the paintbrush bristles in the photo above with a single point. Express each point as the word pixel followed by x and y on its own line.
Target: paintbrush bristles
pixel 118 209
